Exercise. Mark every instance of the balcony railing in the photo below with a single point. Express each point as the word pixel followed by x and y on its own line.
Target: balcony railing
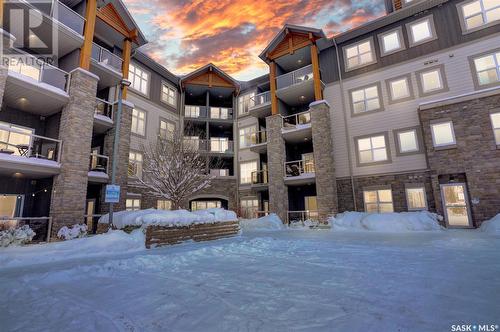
pixel 42 226
pixel 299 167
pixel 260 99
pixel 14 141
pixel 62 13
pixel 258 137
pixel 104 108
pixel 221 113
pixel 302 216
pixel 260 177
pixel 99 163
pixel 105 57
pixel 295 77
pixel 216 144
pixel 292 121
pixel 219 172
pixel 192 111
pixel 27 65
pixel 203 112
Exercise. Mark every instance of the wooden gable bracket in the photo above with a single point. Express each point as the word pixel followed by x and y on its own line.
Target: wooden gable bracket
pixel 109 15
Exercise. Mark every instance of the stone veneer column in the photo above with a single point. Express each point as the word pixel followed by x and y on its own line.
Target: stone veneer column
pixel 122 158
pixel 276 156
pixel 75 130
pixel 326 183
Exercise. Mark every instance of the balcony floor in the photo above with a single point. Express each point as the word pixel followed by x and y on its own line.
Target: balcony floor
pixel 260 111
pixel 98 177
pixel 305 178
pixel 108 76
pixel 297 134
pixel 13 165
pixel 259 148
pixel 102 123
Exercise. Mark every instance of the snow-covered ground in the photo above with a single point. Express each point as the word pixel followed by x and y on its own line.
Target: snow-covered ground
pixel 313 280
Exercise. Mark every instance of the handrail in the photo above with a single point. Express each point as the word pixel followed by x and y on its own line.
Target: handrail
pixel 18 220
pixel 258 137
pixel 301 118
pixel 112 57
pixel 74 13
pixel 221 110
pixel 295 77
pixel 260 99
pixel 107 109
pixel 222 145
pixel 298 167
pixel 260 177
pixel 94 162
pixel 195 111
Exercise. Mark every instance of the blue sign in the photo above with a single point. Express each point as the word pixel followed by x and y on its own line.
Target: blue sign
pixel 112 194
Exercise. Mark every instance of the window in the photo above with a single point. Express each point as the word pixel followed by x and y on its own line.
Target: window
pixel 359 55
pixel 203 205
pixel 193 111
pixel 407 141
pixel 479 14
pixel 487 70
pixel 432 81
pixel 391 42
pixel 247 136
pixel 139 79
pixel 138 122
pixel 495 122
pixel 135 164
pixel 421 31
pixel 132 204
pixel 366 99
pixel 244 103
pixel 378 201
pixel 416 198
pixel 167 129
pixel 372 149
pixel 222 113
pixel 249 207
pixel 400 89
pixel 443 134
pixel 163 204
pixel 10 140
pixel 168 95
pixel 246 170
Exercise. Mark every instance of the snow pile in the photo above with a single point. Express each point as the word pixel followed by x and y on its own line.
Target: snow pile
pixel 491 226
pixel 167 218
pixel 16 236
pixel 113 242
pixel 386 222
pixel 77 231
pixel 268 223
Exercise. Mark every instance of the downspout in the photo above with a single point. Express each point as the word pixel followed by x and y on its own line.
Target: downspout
pixel 346 127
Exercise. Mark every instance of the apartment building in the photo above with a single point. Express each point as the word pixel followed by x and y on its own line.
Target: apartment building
pixel 399 114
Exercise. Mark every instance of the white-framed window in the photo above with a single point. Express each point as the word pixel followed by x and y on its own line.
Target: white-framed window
pixel 135 164
pixel 167 129
pixel 443 134
pixel 246 170
pixel 247 136
pixel 138 122
pixel 372 149
pixel 366 99
pixel 495 123
pixel 421 31
pixel 132 204
pixel 168 94
pixel 163 204
pixel 416 198
pixel 488 69
pixel 432 80
pixel 408 141
pixel 249 207
pixel 400 89
pixel 203 205
pixel 191 111
pixel 360 54
pixel 139 79
pixel 378 200
pixel 222 113
pixel 245 102
pixel 391 42
pixel 479 13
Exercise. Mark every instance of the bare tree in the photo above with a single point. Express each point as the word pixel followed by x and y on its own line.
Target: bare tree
pixel 174 169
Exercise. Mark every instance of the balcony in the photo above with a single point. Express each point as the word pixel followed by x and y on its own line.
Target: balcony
pixel 212 113
pixel 103 116
pixel 216 145
pixel 260 105
pixel 221 113
pixel 98 168
pixel 306 217
pixel 299 172
pixel 24 153
pixel 260 180
pixel 106 65
pixel 258 141
pixel 297 87
pixel 34 86
pixel 297 127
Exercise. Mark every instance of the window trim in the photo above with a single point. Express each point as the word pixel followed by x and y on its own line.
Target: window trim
pixel 145 123
pixel 170 86
pixel 373 163
pixel 472 64
pixel 372 47
pixel 416 186
pixel 420 82
pixel 377 188
pixel 443 146
pixel 492 112
pixel 163 200
pixel 142 164
pixel 133 198
pixel 161 118
pixel 399 31
pixel 432 26
pixel 148 89
pixel 410 88
pixel 419 137
pixel 463 25
pixel 380 98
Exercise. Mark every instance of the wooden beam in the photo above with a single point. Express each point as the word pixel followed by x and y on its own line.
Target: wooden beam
pixel 126 54
pixel 272 79
pixel 318 93
pixel 88 34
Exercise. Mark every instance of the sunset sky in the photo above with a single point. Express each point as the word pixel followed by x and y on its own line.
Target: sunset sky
pixel 185 35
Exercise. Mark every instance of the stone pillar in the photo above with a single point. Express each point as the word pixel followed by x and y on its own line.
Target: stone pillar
pixel 77 118
pixel 326 183
pixel 122 157
pixel 276 157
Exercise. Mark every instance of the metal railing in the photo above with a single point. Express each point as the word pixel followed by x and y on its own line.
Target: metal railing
pixel 104 107
pixel 193 111
pixel 260 99
pixel 258 137
pixel 22 143
pixel 99 163
pixel 62 14
pixel 220 145
pixel 105 57
pixel 203 112
pixel 221 113
pixel 298 167
pixel 42 226
pixel 260 177
pixel 302 216
pixel 294 120
pixel 219 172
pixel 295 77
pixel 30 66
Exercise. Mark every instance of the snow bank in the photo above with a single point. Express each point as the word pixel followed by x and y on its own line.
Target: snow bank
pixel 386 222
pixel 77 231
pixel 113 242
pixel 491 226
pixel 268 223
pixel 167 218
pixel 16 236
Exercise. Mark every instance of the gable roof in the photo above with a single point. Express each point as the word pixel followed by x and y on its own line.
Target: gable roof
pixel 201 77
pixel 117 12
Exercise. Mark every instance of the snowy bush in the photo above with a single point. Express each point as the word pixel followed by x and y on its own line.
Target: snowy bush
pixel 17 236
pixel 74 232
pixel 268 223
pixel 491 226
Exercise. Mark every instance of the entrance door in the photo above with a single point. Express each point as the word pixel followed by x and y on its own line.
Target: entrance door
pixel 89 212
pixel 311 206
pixel 456 205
